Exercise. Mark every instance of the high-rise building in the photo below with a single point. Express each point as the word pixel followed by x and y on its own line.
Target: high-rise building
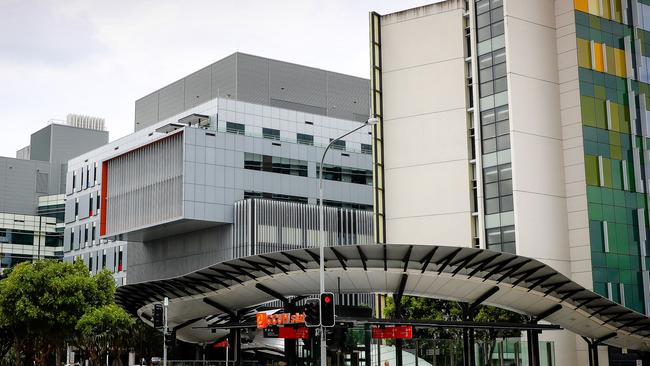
pixel 193 185
pixel 522 125
pixel 31 190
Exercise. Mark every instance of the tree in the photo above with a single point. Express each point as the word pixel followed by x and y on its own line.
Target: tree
pixel 420 308
pixel 40 304
pixel 101 329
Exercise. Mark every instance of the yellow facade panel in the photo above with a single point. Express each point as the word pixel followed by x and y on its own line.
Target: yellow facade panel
pixel 619 57
pixel 598 57
pixel 581 5
pixel 584 54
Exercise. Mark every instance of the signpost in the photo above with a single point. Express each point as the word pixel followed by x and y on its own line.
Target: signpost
pixel 397 332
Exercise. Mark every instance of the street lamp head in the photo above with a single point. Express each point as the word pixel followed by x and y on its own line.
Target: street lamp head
pixel 372 121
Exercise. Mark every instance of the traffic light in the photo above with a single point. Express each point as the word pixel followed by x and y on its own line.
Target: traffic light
pixel 170 339
pixel 312 313
pixel 327 309
pixel 157 316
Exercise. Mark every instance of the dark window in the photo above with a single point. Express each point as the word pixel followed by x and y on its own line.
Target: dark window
pixel 90 262
pixel 23 237
pixel 305 139
pixel 270 133
pixel 274 196
pixel 71 239
pixel 237 128
pixel 86 236
pixel 104 259
pixel 98 201
pixel 350 205
pixel 345 174
pixel 93 235
pixel 76 208
pixel 274 164
pixel 366 149
pixel 53 240
pixel 90 204
pixel 338 144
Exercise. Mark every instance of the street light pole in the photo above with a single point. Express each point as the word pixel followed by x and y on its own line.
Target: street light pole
pixel 321 241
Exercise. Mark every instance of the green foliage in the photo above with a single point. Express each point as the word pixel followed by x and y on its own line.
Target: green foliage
pixel 41 302
pixel 101 328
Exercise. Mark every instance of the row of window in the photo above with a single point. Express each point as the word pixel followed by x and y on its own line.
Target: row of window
pixel 495 128
pixel 275 196
pixel 56 211
pixel 301 138
pixel 88 236
pixel 274 164
pixel 98 261
pixel 345 174
pixel 83 178
pixel 26 237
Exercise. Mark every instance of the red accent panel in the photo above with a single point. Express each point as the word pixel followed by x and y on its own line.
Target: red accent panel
pixel 102 212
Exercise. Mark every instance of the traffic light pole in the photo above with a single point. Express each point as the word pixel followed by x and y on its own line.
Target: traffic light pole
pixel 165 304
pixel 321 242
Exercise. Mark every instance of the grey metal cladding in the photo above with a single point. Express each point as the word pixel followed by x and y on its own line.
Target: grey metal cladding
pixel 66 240
pixel 171 100
pixel 198 87
pixel 40 144
pixel 110 259
pixel 69 210
pixel 252 79
pixel 42 182
pixel 146 111
pixel 77 237
pixel 297 84
pixel 347 97
pixel 69 142
pixel 224 81
pixel 84 206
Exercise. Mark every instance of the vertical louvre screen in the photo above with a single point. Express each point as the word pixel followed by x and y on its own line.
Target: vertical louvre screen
pixel 376 111
pixel 144 186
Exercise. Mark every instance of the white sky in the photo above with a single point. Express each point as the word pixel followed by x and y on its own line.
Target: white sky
pixel 97 57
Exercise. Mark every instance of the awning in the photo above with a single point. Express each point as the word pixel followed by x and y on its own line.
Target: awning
pixel 504 280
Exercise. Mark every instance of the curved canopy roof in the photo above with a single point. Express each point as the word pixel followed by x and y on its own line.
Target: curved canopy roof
pixel 469 275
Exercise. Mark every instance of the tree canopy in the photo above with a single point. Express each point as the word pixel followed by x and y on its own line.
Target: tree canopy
pixel 41 303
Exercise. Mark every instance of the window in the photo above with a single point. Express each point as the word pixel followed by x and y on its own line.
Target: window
pixel 366 149
pixel 305 139
pixel 23 237
pixel 345 174
pixel 338 144
pixel 53 240
pixel 71 239
pixel 354 206
pixel 270 133
pixel 90 204
pixel 76 207
pixel 274 196
pixel 104 259
pixel 119 260
pixel 98 201
pixel 86 236
pixel 93 235
pixel 274 164
pixel 90 262
pixel 238 128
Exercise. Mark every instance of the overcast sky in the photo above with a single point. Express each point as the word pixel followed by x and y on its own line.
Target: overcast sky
pixel 97 57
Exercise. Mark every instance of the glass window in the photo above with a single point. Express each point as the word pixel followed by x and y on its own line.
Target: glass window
pixel 508 233
pixel 366 149
pixel 486 74
pixel 338 144
pixel 499 70
pixel 505 171
pixel 488 131
pixel 497 29
pixel 502 113
pixel 270 133
pixel 484 34
pixel 506 204
pixel 500 85
pixel 237 128
pixel 489 145
pixel 502 128
pixel 499 56
pixel 487 89
pixel 485 61
pixel 492 206
pixel 493 236
pixel 505 187
pixel 305 139
pixel 503 142
pixel 496 15
pixel 488 116
pixel 483 20
pixel 482 6
pixel 491 174
pixel 491 190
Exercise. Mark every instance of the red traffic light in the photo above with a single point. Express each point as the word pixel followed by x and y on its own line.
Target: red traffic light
pixel 327 299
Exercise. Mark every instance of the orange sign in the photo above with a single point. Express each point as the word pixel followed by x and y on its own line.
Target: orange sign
pixel 263 320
